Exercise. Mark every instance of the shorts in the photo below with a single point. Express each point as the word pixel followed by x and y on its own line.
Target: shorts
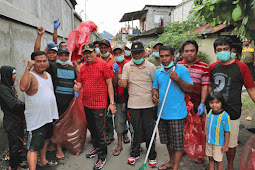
pixel 214 151
pixel 120 118
pixel 234 133
pixel 36 138
pixel 171 133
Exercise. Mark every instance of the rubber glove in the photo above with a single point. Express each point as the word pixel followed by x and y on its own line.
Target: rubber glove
pixel 76 94
pixel 56 24
pixel 201 109
pixel 115 67
pixel 51 45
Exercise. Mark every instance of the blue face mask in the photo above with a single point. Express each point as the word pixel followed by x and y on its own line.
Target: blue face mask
pixel 169 65
pixel 233 55
pixel 155 54
pixel 127 53
pixel 97 50
pixel 105 55
pixel 223 56
pixel 119 59
pixel 140 61
pixel 62 63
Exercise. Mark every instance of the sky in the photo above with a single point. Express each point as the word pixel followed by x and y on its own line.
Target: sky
pixel 107 13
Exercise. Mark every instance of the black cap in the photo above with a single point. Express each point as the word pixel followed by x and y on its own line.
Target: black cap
pixel 88 47
pixel 96 42
pixel 105 42
pixel 63 50
pixel 137 46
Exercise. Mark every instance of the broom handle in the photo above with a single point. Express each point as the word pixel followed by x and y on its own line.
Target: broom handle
pixel 159 115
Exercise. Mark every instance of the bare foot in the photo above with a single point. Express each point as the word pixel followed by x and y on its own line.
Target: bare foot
pixel 167 165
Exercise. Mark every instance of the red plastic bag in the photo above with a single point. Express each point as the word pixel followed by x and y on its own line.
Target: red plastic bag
pixel 71 128
pixel 78 37
pixel 194 134
pixel 247 158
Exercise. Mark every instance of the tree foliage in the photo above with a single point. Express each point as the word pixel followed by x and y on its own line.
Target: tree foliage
pixel 176 33
pixel 240 13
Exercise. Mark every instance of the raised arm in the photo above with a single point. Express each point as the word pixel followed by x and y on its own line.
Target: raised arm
pixel 26 80
pixel 40 32
pixel 55 32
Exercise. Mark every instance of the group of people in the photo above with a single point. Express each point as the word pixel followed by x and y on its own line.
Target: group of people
pixel 121 81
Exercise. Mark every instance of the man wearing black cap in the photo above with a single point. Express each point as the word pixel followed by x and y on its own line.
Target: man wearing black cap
pixel 63 76
pixel 96 80
pixel 139 73
pixel 154 58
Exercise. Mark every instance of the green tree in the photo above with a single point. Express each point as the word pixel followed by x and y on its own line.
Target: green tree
pixel 176 33
pixel 240 13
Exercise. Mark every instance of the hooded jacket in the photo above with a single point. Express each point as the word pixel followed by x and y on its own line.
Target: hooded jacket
pixel 12 107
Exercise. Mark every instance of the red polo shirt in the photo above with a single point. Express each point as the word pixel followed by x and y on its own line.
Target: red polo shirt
pixel 199 73
pixel 93 77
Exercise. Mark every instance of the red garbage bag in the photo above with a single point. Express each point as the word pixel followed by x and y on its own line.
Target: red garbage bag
pixel 247 158
pixel 194 133
pixel 78 37
pixel 71 128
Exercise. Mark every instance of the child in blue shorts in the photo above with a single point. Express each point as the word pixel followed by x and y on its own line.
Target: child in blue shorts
pixel 218 131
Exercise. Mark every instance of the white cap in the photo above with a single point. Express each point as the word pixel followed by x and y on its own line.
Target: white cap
pixel 128 45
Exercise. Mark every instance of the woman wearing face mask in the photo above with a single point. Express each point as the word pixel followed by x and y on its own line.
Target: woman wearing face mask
pixel 63 76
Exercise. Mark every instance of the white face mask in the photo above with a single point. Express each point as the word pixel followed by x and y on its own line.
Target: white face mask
pixel 105 55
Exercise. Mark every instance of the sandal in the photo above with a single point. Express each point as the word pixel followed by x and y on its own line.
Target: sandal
pixel 116 152
pixel 49 163
pixel 109 140
pixel 126 139
pixel 60 158
pixel 164 166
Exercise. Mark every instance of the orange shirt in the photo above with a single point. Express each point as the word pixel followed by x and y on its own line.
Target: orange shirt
pixel 110 60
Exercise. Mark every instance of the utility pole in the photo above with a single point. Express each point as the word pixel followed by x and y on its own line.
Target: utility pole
pixel 86 10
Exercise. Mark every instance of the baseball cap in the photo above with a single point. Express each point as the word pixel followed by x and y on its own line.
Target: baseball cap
pixel 105 42
pixel 63 50
pixel 156 43
pixel 137 46
pixel 117 46
pixel 88 47
pixel 54 48
pixel 128 45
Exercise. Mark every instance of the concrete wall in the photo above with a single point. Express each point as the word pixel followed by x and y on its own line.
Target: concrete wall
pixel 152 11
pixel 181 12
pixel 146 40
pixel 19 20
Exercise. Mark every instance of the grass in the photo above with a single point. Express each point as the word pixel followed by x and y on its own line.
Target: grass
pixel 247 102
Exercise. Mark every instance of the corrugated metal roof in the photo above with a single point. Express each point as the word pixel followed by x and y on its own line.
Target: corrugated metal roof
pixel 208 29
pixel 132 15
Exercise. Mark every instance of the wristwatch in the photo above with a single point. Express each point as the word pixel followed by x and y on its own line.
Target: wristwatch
pixel 113 103
pixel 28 68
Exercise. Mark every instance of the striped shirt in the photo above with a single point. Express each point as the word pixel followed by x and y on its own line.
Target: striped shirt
pixel 217 126
pixel 200 77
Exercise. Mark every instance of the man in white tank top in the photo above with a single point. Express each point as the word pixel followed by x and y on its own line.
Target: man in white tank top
pixel 41 108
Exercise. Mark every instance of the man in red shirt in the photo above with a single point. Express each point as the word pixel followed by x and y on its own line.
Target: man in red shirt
pixel 198 71
pixel 121 96
pixel 96 80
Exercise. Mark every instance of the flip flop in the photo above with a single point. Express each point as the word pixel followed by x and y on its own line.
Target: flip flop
pixel 117 152
pixel 109 141
pixel 163 167
pixel 48 164
pixel 126 139
pixel 60 158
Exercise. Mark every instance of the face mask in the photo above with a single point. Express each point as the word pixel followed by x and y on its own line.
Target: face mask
pixel 127 53
pixel 97 50
pixel 62 63
pixel 13 71
pixel 169 65
pixel 140 61
pixel 233 55
pixel 105 55
pixel 155 54
pixel 119 59
pixel 223 56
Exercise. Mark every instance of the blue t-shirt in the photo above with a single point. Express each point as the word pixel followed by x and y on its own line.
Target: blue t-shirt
pixel 175 106
pixel 217 126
